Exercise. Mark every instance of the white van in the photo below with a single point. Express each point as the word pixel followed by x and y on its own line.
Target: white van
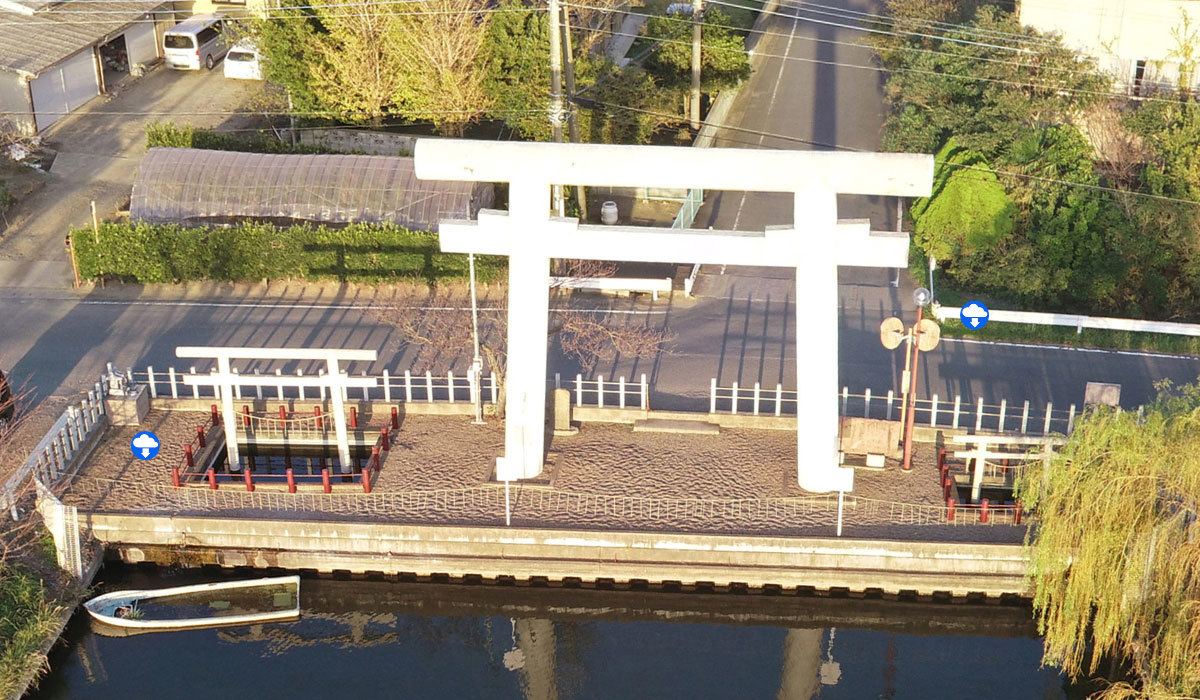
pixel 195 42
pixel 243 61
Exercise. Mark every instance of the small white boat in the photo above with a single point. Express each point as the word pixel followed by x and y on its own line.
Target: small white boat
pixel 203 605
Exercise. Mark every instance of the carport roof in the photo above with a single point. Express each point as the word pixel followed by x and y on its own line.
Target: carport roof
pixel 31 43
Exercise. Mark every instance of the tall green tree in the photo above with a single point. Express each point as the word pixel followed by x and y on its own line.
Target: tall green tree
pixel 287 42
pixel 723 58
pixel 517 80
pixel 441 46
pixel 1114 559
pixel 968 211
pixel 985 93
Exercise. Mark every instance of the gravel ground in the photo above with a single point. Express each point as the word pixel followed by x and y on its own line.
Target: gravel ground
pixel 606 477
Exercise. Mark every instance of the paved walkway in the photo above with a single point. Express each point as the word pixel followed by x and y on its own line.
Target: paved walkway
pixel 99 148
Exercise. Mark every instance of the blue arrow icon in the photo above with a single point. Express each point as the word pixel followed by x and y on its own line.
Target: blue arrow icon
pixel 974 315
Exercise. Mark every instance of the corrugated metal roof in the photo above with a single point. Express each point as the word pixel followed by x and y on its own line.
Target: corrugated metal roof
pixel 176 185
pixel 32 43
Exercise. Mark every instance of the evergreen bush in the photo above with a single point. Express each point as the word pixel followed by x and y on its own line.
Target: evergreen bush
pixel 251 251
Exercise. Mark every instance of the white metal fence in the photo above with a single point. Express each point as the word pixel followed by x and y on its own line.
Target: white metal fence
pixel 59 449
pixel 1078 322
pixel 935 411
pixel 404 387
pixel 607 393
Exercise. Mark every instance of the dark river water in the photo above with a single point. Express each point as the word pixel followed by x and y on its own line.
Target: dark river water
pixel 375 639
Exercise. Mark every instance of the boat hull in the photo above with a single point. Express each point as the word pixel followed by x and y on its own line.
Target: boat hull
pixel 104 608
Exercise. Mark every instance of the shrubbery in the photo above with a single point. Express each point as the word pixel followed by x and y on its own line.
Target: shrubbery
pixel 165 253
pixel 175 136
pixel 1051 192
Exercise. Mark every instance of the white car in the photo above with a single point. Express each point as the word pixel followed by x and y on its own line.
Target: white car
pixel 243 62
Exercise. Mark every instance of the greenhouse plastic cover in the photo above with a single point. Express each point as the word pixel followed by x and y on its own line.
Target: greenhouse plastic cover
pixel 178 185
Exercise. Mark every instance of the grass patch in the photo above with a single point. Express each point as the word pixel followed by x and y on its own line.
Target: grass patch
pixel 28 618
pixel 1054 335
pixel 1063 335
pixel 743 16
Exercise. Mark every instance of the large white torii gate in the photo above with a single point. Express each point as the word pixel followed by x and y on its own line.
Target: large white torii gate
pixel 815 246
pixel 223 380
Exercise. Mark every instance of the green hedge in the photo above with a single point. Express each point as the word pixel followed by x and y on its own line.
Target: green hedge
pixel 164 253
pixel 172 135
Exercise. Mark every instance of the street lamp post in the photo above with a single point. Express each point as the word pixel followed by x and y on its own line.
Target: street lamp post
pixel 924 335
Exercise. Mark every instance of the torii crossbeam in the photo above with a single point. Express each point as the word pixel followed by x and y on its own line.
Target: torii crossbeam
pixel 224 379
pixel 815 245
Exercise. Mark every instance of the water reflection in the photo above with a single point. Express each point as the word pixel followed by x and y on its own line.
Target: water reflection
pixel 425 640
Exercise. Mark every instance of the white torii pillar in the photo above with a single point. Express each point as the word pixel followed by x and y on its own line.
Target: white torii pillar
pixel 815 246
pixel 223 379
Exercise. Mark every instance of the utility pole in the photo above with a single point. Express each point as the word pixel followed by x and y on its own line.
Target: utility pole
pixel 477 362
pixel 695 100
pixel 572 115
pixel 556 102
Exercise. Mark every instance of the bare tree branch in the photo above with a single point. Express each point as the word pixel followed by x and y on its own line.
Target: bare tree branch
pixel 433 326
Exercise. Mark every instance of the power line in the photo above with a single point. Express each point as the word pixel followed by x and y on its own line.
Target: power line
pixel 855 44
pixel 933 24
pixel 1057 88
pixel 54 22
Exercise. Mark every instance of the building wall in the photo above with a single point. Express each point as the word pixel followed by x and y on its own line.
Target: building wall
pixel 1119 33
pixel 244 8
pixel 14 100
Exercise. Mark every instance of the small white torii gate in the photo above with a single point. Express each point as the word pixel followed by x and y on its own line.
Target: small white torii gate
pixel 223 381
pixel 815 246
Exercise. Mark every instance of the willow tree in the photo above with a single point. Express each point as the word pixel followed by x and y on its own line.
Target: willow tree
pixel 1115 554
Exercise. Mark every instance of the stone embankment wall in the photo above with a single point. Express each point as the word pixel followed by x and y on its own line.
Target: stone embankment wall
pixel 925 568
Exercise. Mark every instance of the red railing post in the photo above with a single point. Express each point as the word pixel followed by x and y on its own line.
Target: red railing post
pixel 249 477
pixel 200 435
pixel 983 511
pixel 946 487
pixel 325 480
pixel 291 477
pixel 317 414
pixel 216 417
pixel 383 434
pixel 187 455
pixel 1017 513
pixel 283 413
pixel 366 479
pixel 246 416
pixel 395 419
pixel 949 510
pixel 353 417
pixel 175 476
pixel 941 461
pixel 212 479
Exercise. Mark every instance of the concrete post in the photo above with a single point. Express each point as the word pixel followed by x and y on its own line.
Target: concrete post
pixel 562 414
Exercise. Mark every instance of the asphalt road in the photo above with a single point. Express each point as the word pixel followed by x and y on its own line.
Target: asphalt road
pixel 61 343
pixel 740 329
